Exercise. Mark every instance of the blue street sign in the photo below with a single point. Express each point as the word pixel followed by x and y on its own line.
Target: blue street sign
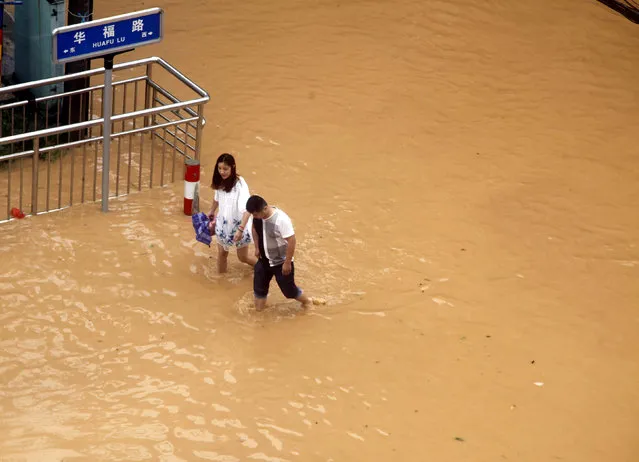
pixel 109 35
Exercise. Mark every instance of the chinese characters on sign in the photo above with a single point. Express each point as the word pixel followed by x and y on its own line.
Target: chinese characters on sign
pixel 138 26
pixel 109 31
pixel 102 37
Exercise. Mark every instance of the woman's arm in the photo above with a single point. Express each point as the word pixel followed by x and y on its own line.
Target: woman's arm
pixel 245 219
pixel 214 207
pixel 256 243
pixel 242 199
pixel 240 230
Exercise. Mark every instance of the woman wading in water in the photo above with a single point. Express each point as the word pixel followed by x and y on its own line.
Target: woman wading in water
pixel 228 215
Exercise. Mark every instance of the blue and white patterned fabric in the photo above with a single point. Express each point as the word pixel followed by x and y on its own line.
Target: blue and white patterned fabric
pixel 201 227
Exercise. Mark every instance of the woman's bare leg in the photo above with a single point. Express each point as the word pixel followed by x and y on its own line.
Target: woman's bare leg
pixel 222 259
pixel 244 256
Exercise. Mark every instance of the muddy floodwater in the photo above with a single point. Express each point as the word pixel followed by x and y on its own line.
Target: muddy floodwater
pixel 463 177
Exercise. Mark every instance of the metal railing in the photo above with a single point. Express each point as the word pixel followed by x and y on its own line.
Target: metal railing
pixel 49 162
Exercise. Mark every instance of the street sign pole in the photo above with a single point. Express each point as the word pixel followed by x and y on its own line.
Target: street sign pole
pixel 107 106
pixel 107 109
pixel 106 38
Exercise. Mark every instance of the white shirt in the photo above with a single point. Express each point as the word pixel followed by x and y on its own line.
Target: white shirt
pixel 232 204
pixel 275 230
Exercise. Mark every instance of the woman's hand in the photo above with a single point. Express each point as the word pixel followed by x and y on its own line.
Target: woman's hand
pixel 238 235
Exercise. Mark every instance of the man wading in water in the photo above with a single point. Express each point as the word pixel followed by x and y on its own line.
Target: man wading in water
pixel 274 239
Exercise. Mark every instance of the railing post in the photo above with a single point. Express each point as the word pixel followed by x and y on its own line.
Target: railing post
pixel 191 186
pixel 34 180
pixel 198 130
pixel 154 96
pixel 147 92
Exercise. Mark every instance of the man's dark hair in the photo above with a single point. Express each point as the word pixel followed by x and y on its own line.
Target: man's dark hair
pixel 255 204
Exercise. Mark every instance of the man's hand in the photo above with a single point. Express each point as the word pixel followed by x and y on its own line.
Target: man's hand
pixel 290 250
pixel 257 252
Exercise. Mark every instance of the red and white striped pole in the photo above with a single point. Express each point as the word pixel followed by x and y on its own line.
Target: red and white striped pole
pixel 191 186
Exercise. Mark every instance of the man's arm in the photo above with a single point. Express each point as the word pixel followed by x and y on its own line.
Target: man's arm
pixel 290 249
pixel 288 234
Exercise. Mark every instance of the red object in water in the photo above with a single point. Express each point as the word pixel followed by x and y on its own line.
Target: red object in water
pixel 17 213
pixel 191 185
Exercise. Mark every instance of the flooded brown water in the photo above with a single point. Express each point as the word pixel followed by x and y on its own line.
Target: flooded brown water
pixel 463 180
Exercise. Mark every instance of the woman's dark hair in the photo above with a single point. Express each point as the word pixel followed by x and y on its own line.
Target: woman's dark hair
pixel 218 182
pixel 255 204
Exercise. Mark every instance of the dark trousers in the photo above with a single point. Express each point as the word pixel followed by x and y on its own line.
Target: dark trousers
pixel 264 272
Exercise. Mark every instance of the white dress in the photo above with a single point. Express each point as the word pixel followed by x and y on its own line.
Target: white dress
pixel 232 206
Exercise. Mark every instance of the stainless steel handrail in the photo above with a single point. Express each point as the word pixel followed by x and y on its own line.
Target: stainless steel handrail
pixel 116 67
pixel 169 119
pixel 96 122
